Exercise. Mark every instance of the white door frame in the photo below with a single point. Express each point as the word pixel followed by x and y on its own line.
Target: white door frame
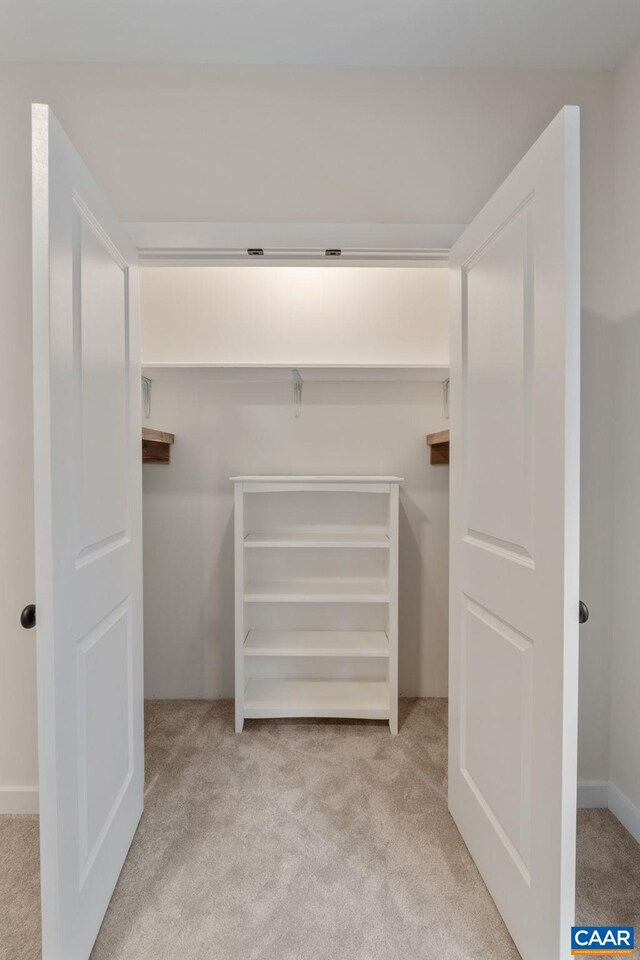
pixel 361 244
pixel 211 244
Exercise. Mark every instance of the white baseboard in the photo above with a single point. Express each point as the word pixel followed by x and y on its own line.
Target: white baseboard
pixel 18 800
pixel 593 793
pixel 626 812
pixel 601 793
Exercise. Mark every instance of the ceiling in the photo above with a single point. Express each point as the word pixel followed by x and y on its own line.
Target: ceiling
pixel 575 34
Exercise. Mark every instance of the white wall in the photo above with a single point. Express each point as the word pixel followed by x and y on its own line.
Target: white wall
pixel 295 315
pixel 596 545
pixel 277 144
pixel 625 700
pixel 18 759
pixel 223 429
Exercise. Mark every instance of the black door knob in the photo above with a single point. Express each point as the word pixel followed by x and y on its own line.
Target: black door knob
pixel 28 616
pixel 583 615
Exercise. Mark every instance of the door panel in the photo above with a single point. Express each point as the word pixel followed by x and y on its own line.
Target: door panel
pixel 101 332
pixel 498 341
pixel 514 540
pixel 496 730
pixel 88 542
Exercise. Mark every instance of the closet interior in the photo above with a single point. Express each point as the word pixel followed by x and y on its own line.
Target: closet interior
pixel 329 598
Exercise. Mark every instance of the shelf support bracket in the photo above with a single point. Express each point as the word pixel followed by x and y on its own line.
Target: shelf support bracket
pixel 439 446
pixel 146 397
pixel 297 392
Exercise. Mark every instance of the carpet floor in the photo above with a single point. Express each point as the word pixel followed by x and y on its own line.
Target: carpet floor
pixel 302 840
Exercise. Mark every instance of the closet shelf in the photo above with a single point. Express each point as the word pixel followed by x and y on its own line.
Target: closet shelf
pixel 318 590
pixel 282 371
pixel 301 540
pixel 298 482
pixel 156 445
pixel 439 446
pixel 316 643
pixel 357 699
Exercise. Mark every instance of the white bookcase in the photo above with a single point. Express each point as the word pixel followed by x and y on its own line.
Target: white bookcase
pixel 316 597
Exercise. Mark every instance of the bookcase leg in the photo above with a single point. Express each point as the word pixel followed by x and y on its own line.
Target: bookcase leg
pixel 239 720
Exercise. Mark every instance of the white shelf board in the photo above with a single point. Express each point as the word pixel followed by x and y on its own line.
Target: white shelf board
pixel 350 540
pixel 316 643
pixel 317 698
pixel 317 478
pixel 282 372
pixel 318 590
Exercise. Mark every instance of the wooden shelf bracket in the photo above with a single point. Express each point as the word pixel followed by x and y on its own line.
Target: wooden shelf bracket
pixel 439 446
pixel 156 445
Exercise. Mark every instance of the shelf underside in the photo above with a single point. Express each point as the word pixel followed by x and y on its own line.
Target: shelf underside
pixel 316 643
pixel 352 540
pixel 282 372
pixel 357 699
pixel 318 590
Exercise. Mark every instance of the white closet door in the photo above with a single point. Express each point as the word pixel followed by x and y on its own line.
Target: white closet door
pixel 515 429
pixel 88 542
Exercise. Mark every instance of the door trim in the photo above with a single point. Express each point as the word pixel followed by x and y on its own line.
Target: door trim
pixel 295 244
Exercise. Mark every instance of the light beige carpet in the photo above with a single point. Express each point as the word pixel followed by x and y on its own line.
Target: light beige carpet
pixel 19 889
pixel 302 840
pixel 608 872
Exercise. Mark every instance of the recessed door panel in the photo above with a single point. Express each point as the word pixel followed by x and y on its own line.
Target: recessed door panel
pixel 105 728
pixel 101 356
pixel 496 733
pixel 498 352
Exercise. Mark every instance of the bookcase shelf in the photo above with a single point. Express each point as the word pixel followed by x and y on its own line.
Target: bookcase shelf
pixel 359 699
pixel 316 595
pixel 316 643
